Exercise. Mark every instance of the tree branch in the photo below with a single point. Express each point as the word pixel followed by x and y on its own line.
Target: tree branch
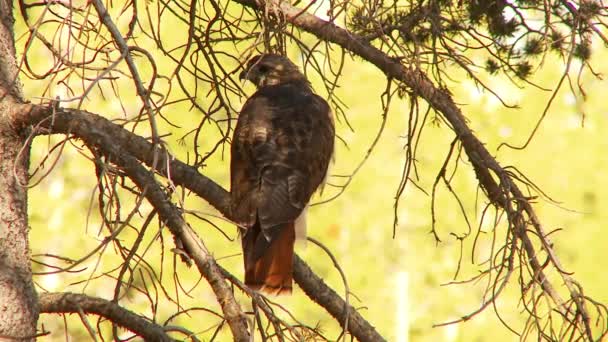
pixel 75 302
pixel 316 289
pixel 108 138
pixel 95 129
pixel 126 53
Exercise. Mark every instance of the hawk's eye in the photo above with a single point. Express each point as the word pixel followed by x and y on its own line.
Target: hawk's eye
pixel 263 69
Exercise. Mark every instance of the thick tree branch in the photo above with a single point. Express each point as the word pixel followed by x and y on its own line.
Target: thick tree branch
pixel 107 138
pixel 75 302
pixel 191 242
pixel 316 289
pixel 95 130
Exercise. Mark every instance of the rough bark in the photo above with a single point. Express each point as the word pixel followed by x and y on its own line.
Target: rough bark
pixel 18 300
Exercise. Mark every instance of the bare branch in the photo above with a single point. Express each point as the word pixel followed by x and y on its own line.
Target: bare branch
pixel 75 303
pixel 125 51
pixel 90 129
pixel 316 289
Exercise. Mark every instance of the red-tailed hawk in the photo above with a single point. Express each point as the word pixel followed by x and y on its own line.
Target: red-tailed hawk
pixel 281 148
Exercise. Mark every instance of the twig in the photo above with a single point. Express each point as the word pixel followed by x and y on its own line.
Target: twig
pixel 142 92
pixel 344 281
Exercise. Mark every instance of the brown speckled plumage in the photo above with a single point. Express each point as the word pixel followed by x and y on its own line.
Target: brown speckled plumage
pixel 281 148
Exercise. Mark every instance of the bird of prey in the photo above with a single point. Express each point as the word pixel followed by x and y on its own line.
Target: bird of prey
pixel 281 149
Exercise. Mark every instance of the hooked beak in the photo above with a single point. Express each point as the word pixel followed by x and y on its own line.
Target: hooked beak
pixel 243 75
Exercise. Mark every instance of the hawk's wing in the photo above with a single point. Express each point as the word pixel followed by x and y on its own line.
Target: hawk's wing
pixel 282 145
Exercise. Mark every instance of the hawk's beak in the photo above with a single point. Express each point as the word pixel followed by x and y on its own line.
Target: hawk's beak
pixel 243 75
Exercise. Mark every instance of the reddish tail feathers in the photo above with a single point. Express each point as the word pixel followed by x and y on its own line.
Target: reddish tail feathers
pixel 269 265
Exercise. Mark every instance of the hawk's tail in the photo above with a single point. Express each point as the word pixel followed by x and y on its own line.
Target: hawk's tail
pixel 269 264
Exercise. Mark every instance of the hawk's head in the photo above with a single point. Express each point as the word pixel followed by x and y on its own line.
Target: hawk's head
pixel 271 69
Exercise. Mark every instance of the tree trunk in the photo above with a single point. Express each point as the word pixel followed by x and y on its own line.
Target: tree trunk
pixel 18 300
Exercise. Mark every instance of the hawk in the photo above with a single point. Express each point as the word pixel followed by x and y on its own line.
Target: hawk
pixel 281 148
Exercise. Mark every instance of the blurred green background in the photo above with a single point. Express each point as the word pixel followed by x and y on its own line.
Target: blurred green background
pixel 393 280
